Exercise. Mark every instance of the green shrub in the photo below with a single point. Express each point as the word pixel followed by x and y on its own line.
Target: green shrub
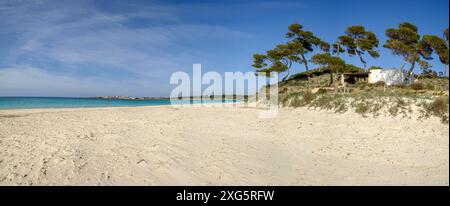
pixel 284 90
pixel 401 86
pixel 283 98
pixel 376 107
pixel 417 86
pixel 402 103
pixel 403 106
pixel 429 86
pixel 322 91
pixel 340 105
pixel 393 110
pixel 379 84
pixel 308 97
pixel 361 85
pixel 444 118
pixel 439 105
pixel 323 102
pixel 296 102
pixel 362 108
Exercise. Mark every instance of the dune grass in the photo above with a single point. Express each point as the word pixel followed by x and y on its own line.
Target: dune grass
pixel 428 96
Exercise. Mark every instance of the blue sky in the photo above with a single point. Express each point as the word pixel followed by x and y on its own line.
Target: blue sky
pixel 96 48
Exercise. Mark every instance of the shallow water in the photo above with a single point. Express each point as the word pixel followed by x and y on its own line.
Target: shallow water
pixel 70 102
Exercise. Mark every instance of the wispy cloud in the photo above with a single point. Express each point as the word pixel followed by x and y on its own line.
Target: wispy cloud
pixel 66 46
pixel 31 81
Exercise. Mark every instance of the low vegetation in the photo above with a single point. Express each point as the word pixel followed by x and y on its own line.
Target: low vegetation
pixel 370 99
pixel 437 107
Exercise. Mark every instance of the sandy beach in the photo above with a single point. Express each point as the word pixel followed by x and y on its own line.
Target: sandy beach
pixel 162 145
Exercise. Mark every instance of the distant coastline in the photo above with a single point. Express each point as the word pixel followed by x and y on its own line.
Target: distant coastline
pixel 218 97
pixel 131 98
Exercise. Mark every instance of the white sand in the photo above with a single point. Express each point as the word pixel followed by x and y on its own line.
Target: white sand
pixel 218 146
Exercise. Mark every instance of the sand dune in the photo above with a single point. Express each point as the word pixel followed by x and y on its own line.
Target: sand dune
pixel 218 146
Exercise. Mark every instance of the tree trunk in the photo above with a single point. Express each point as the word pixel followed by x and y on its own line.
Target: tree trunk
pixel 408 75
pixel 336 81
pixel 362 60
pixel 284 78
pixel 403 65
pixel 306 66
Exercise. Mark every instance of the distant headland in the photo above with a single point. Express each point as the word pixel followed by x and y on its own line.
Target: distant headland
pixel 132 98
pixel 217 97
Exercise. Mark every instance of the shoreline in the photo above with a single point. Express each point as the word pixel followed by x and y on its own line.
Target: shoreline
pixel 121 106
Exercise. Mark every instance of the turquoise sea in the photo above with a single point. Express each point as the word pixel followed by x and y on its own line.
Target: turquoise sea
pixel 70 102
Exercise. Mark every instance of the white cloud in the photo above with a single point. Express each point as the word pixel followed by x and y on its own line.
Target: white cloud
pixel 58 39
pixel 31 81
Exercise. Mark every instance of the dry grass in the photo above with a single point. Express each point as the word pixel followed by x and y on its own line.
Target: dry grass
pixel 431 95
pixel 438 107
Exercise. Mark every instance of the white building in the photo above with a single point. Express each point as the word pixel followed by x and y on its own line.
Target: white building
pixel 389 76
pixel 376 75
